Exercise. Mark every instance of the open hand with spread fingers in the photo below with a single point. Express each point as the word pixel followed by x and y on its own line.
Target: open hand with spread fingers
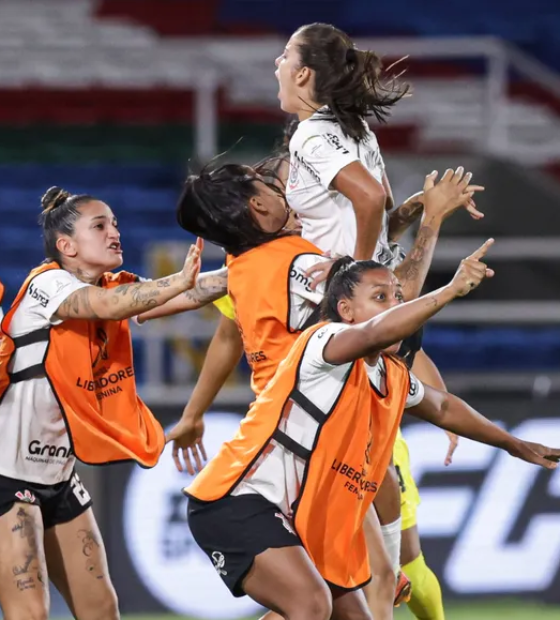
pixel 451 192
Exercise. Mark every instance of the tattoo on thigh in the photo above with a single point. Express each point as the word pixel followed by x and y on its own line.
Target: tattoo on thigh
pixel 90 544
pixel 24 568
pixel 25 529
pixel 25 584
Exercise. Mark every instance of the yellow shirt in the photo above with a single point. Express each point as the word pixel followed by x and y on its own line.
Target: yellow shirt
pixel 225 306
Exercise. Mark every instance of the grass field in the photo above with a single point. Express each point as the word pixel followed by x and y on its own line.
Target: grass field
pixel 515 610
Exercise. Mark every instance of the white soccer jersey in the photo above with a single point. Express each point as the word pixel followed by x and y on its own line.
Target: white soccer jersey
pixel 303 299
pixel 280 475
pixel 318 152
pixel 34 444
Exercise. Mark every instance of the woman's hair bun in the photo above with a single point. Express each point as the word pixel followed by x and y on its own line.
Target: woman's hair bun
pixel 54 197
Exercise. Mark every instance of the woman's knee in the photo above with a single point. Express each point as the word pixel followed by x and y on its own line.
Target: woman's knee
pixel 106 606
pixel 314 604
pixel 30 609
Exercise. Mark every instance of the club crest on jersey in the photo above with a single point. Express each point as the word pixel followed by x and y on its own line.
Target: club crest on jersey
pixel 26 497
pixel 219 561
pixel 294 174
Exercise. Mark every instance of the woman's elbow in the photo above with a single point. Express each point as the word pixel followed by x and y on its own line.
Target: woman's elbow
pixel 371 200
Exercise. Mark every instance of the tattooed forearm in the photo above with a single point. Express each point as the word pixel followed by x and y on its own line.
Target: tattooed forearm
pixel 209 287
pixel 121 302
pixel 403 217
pixel 413 270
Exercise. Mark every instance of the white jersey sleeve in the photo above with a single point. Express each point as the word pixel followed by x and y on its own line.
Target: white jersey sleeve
pixel 44 295
pixel 314 364
pixel 415 393
pixel 304 299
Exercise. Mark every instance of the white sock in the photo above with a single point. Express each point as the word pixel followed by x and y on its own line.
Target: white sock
pixel 392 539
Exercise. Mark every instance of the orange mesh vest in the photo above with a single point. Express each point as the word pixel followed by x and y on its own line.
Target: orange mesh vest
pixel 348 461
pixel 89 367
pixel 259 285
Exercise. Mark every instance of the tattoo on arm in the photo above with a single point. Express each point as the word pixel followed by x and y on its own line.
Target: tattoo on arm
pixel 78 304
pixel 404 217
pixel 209 287
pixel 137 297
pixel 412 272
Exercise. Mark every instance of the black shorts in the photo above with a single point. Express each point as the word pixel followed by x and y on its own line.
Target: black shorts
pixel 232 531
pixel 59 503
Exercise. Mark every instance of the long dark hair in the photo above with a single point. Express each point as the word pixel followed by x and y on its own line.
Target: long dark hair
pixel 347 80
pixel 344 275
pixel 59 216
pixel 269 167
pixel 214 206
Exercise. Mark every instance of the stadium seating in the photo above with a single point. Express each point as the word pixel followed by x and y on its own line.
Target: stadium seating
pixel 143 197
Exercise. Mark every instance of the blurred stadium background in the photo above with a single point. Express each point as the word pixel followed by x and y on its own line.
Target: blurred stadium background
pixel 114 97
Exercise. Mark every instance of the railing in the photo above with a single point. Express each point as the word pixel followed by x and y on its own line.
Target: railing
pixel 253 76
pixel 244 70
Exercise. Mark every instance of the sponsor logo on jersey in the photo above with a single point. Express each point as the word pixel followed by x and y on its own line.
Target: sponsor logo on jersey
pixel 335 142
pixel 300 277
pixel 47 453
pixel 307 167
pixel 38 294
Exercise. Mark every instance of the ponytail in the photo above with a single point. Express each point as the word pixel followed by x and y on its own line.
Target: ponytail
pixel 347 80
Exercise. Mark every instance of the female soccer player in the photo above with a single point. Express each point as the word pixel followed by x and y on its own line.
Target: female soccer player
pixel 339 188
pixel 232 206
pixel 279 510
pixel 67 391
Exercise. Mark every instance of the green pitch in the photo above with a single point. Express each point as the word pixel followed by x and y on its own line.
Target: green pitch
pixel 515 610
